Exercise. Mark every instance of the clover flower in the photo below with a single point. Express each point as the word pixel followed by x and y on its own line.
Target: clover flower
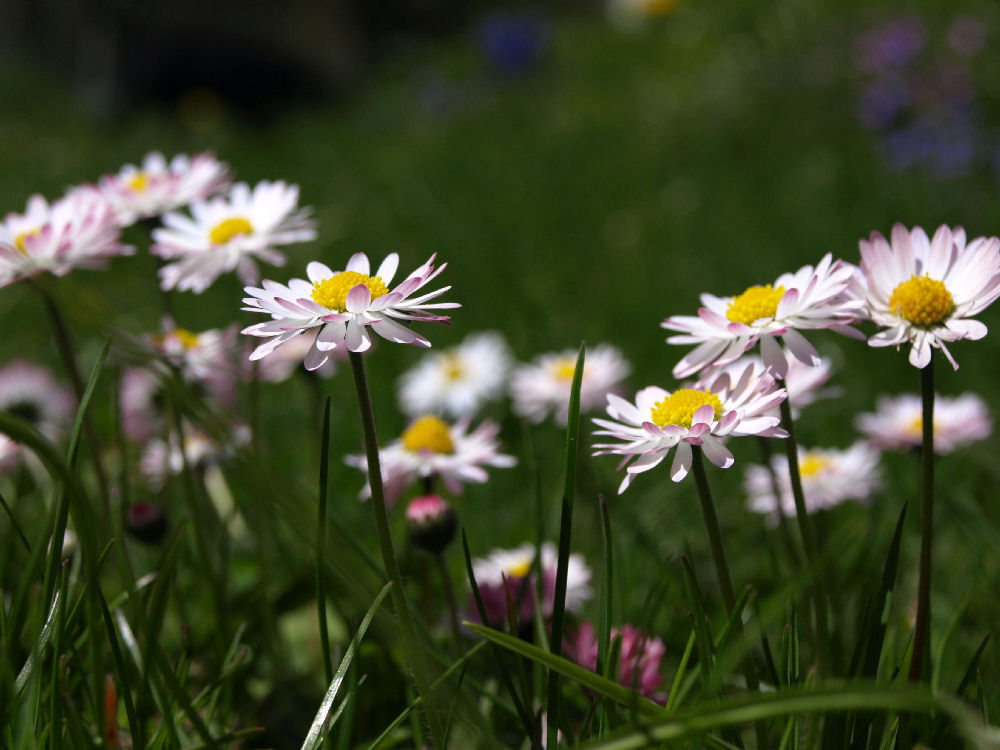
pixel 659 421
pixel 727 327
pixel 344 305
pixel 230 233
pixel 898 422
pixel 829 477
pixel 455 382
pixel 141 192
pixel 924 291
pixel 430 448
pixel 78 230
pixel 639 659
pixel 543 387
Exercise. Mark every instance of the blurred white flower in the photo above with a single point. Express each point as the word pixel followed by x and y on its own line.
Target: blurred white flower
pixel 33 394
pixel 898 422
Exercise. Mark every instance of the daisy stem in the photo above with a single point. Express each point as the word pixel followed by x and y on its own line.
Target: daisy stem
pixel 923 623
pixel 408 639
pixel 783 527
pixel 808 541
pixel 449 595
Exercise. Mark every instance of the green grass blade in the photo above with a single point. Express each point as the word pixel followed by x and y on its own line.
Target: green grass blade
pixel 674 698
pixel 317 732
pixel 324 475
pixel 135 726
pixel 703 637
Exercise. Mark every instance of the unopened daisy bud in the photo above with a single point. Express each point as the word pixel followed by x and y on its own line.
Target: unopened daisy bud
pixel 430 522
pixel 146 522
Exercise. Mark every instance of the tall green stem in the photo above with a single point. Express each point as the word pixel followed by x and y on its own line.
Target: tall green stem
pixel 408 638
pixel 923 623
pixel 808 542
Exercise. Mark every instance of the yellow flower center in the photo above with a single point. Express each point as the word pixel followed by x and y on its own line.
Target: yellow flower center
pixel 428 433
pixel 565 367
pixel 812 464
pixel 922 301
pixel 679 407
pixel 755 303
pixel 452 367
pixel 138 182
pixel 226 229
pixel 187 339
pixel 332 292
pixel 19 241
pixel 520 570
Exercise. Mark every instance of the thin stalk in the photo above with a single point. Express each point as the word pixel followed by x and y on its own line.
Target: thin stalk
pixel 923 623
pixel 408 638
pixel 449 595
pixel 808 542
pixel 324 475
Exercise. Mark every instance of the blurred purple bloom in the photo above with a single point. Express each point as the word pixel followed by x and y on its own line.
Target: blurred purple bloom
pixel 891 45
pixel 513 43
pixel 882 101
pixel 966 35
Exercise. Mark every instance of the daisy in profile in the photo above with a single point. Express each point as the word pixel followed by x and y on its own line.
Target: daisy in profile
pixel 458 380
pixel 78 230
pixel 727 327
pixel 829 477
pixel 514 567
pixel 638 661
pixel 158 186
pixel 344 306
pixel 659 421
pixel 897 423
pixel 230 233
pixel 543 387
pixel 432 449
pixel 924 292
pixel 33 394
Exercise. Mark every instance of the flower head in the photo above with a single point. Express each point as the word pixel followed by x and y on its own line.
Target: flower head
pixel 79 229
pixel 287 358
pixel 543 386
pixel 455 382
pixel 514 567
pixel 162 459
pixel 230 233
pixel 638 662
pixel 431 448
pixel 33 394
pixel 660 421
pixel 141 192
pixel 829 477
pixel 344 305
pixel 924 291
pixel 898 422
pixel 430 522
pixel 727 327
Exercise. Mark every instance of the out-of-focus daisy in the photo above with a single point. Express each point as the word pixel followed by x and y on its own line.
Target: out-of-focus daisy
pixel 344 305
pixel 514 566
pixel 829 477
pixel 639 659
pixel 898 422
pixel 430 522
pixel 924 291
pixel 157 186
pixel 162 459
pixel 660 421
pixel 230 233
pixel 543 386
pixel 803 383
pixel 457 381
pixel 284 360
pixel 431 448
pixel 727 327
pixel 33 394
pixel 10 452
pixel 78 230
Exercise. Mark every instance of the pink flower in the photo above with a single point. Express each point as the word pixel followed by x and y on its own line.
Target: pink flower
pixel 639 661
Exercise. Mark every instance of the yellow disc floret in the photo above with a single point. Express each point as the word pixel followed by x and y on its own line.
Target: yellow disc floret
pixel 138 182
pixel 226 229
pixel 519 570
pixel 183 336
pixel 922 301
pixel 812 464
pixel 679 407
pixel 565 367
pixel 332 292
pixel 452 366
pixel 755 303
pixel 428 433
pixel 19 241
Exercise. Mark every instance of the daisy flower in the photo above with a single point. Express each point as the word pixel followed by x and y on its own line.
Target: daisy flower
pixel 230 233
pixel 638 662
pixel 31 393
pixel 829 477
pixel 457 381
pixel 343 305
pixel 514 566
pixel 898 423
pixel 284 360
pixel 430 448
pixel 162 459
pixel 660 421
pixel 79 229
pixel 925 291
pixel 727 327
pixel 543 386
pixel 157 186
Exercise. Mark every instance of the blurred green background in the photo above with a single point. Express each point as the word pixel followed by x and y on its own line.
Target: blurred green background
pixel 583 179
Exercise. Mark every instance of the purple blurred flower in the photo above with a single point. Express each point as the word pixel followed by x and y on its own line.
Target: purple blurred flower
pixel 891 45
pixel 966 35
pixel 513 43
pixel 638 662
